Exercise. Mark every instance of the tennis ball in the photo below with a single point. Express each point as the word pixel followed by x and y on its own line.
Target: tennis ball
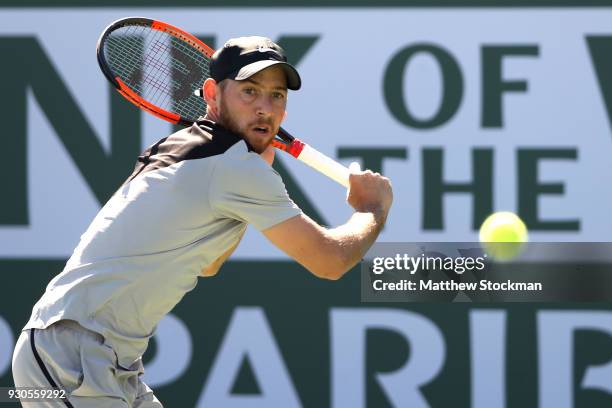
pixel 503 235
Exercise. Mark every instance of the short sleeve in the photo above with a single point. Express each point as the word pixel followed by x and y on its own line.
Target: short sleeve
pixel 247 189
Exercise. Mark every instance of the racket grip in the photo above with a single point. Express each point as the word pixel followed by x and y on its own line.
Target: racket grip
pixel 324 165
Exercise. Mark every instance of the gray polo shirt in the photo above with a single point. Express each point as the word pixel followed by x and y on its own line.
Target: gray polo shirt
pixel 188 201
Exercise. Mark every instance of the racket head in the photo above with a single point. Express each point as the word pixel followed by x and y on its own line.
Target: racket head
pixel 156 66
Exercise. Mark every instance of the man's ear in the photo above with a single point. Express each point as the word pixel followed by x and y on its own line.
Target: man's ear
pixel 211 96
pixel 209 90
pixel 284 116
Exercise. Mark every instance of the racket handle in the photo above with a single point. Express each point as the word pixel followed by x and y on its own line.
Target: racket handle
pixel 324 165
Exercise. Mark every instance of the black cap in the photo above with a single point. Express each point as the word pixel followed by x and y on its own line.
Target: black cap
pixel 242 57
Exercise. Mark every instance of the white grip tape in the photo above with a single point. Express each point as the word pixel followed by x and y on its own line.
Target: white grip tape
pixel 325 165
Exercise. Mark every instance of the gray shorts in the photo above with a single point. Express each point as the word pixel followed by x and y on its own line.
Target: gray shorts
pixel 78 361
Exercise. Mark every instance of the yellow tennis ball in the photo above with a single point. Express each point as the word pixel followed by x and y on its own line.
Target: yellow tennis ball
pixel 503 235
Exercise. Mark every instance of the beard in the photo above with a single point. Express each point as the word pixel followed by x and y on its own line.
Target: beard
pixel 227 121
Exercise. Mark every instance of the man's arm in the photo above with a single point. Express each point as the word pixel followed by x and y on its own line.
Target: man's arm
pixel 329 253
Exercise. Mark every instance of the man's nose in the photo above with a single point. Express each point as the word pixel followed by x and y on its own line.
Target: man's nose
pixel 264 107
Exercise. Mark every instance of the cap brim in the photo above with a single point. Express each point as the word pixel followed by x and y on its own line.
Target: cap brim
pixel 294 82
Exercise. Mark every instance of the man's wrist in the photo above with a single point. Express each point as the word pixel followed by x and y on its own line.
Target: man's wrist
pixel 378 212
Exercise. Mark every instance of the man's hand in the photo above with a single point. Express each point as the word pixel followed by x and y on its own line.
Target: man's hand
pixel 370 192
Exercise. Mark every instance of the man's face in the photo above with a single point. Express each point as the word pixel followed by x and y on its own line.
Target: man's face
pixel 255 107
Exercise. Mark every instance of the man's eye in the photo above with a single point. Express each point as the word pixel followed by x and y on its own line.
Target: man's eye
pixel 249 91
pixel 278 95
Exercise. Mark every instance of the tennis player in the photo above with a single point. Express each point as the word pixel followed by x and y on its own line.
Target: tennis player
pixel 178 217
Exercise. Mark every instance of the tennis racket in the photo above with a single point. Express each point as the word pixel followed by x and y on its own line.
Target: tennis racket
pixel 161 68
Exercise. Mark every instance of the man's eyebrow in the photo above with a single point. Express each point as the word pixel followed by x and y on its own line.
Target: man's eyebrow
pixel 251 81
pixel 282 88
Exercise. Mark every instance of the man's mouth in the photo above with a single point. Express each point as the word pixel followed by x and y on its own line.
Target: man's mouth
pixel 261 129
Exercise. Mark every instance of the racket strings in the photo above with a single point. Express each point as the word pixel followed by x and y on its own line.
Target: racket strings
pixel 187 55
pixel 155 77
pixel 158 67
pixel 158 47
pixel 124 54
